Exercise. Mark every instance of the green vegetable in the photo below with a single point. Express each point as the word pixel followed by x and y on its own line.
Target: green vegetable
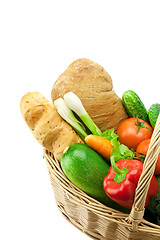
pixel 86 169
pixel 153 113
pixel 122 152
pixel 110 135
pixel 75 104
pixel 153 209
pixel 68 116
pixel 134 106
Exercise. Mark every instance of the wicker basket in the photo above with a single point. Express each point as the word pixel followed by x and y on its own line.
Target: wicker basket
pixel 97 220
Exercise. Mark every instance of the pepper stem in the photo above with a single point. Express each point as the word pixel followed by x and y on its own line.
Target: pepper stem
pixel 114 166
pixel 120 173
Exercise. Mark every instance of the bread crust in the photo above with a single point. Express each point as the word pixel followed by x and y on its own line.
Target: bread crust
pixel 93 85
pixel 49 129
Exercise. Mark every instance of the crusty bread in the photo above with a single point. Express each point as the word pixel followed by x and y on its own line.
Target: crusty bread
pixel 93 85
pixel 50 130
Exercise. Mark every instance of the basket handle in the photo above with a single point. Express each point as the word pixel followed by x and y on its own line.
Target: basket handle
pixel 137 211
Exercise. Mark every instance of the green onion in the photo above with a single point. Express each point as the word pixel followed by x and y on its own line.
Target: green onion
pixel 69 117
pixel 75 104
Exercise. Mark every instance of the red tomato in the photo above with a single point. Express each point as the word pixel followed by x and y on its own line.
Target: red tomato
pixel 132 131
pixel 143 148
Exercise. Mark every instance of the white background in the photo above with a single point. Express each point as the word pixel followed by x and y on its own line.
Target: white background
pixel 38 40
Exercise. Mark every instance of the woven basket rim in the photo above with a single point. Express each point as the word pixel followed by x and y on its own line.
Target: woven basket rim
pixel 92 204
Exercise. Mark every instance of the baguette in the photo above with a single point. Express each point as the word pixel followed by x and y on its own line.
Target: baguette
pixel 49 129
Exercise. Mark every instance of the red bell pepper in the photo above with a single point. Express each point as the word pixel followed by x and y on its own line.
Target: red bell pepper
pixel 122 179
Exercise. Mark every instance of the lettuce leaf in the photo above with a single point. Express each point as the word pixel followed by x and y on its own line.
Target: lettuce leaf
pixel 119 151
pixel 122 152
pixel 109 134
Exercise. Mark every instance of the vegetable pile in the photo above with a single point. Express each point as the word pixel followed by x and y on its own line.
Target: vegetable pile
pixel 108 165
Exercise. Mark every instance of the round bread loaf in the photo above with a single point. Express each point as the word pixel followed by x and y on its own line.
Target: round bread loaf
pixel 93 85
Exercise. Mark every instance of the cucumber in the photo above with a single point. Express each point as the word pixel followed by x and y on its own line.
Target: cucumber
pixel 153 209
pixel 86 169
pixel 134 106
pixel 153 113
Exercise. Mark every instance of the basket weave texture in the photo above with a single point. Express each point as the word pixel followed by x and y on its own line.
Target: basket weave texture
pixel 97 220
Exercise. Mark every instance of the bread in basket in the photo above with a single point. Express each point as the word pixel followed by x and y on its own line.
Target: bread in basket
pixel 93 86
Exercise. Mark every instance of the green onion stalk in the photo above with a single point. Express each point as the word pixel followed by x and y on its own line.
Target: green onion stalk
pixel 75 104
pixel 66 113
